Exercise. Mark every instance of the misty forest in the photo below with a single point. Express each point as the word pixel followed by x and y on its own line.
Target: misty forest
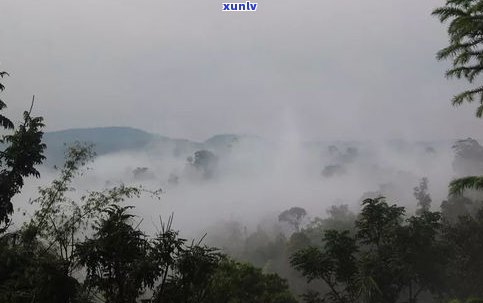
pixel 123 215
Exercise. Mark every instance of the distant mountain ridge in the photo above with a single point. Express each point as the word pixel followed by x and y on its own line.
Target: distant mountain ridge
pixel 105 139
pixel 119 139
pixel 116 139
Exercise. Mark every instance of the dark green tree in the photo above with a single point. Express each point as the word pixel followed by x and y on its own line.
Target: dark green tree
pixel 335 265
pixel 29 273
pixel 197 273
pixel 116 258
pixel 4 121
pixel 236 282
pixel 465 31
pixel 457 186
pixel 23 151
pixel 387 257
pixel 377 227
pixel 423 255
pixel 189 279
pixel 464 246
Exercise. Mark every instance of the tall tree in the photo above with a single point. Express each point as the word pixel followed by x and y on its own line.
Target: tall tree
pixel 422 196
pixel 116 258
pixel 293 217
pixel 24 150
pixel 465 31
pixel 335 265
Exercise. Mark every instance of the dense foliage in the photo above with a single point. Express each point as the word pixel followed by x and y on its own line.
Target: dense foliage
pixel 465 31
pixel 382 254
pixel 91 249
pixel 465 41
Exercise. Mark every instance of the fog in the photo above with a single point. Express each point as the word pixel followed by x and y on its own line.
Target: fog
pixel 254 178
pixel 296 77
pixel 268 137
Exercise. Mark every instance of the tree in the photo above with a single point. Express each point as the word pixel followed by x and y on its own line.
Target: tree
pixel 164 250
pixel 196 273
pixel 465 32
pixel 422 196
pixel 340 218
pixel 293 217
pixel 60 219
pixel 236 282
pixel 205 162
pixel 398 255
pixel 377 229
pixel 190 274
pixel 468 157
pixel 116 258
pixel 257 248
pixel 29 273
pixel 386 257
pixel 456 206
pixel 457 186
pixel 468 161
pixel 24 150
pixel 465 45
pixel 463 241
pixel 42 255
pixel 422 254
pixel 4 121
pixel 335 265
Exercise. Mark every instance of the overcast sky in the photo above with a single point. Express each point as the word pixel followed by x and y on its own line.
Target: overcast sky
pixel 345 69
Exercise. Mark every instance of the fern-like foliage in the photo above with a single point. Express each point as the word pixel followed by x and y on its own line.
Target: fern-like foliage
pixel 465 30
pixel 4 121
pixel 23 151
pixel 457 186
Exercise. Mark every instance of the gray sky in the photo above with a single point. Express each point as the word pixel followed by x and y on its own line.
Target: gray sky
pixel 345 69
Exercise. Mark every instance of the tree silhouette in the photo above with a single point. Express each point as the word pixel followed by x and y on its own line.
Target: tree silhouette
pixel 205 162
pixel 465 48
pixel 465 32
pixel 293 216
pixel 4 121
pixel 422 196
pixel 116 258
pixel 24 150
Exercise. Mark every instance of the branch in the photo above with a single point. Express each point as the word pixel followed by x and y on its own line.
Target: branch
pixel 457 186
